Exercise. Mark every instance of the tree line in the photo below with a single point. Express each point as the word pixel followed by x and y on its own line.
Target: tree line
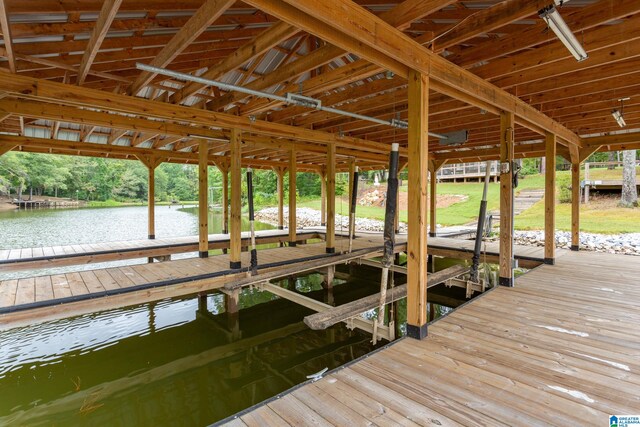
pixel 98 179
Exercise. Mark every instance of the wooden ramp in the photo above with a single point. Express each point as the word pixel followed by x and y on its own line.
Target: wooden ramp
pixel 560 348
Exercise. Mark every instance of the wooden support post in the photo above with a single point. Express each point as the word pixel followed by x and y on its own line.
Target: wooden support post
pixel 331 199
pixel 292 198
pixel 203 192
pixel 352 169
pixel 575 204
pixel 396 228
pixel 323 196
pixel 550 199
pixel 432 199
pixel 151 162
pixel 280 184
pixel 506 198
pixel 417 225
pixel 224 169
pixel 5 148
pixel 151 202
pixel 236 185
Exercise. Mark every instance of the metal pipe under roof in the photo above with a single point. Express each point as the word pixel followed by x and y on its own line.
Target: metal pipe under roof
pixel 289 98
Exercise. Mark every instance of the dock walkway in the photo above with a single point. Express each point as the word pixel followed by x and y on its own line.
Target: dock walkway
pixel 49 296
pixel 58 256
pixel 560 348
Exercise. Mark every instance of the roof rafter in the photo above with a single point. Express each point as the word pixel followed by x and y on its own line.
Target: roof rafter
pixel 333 18
pixel 5 26
pixel 203 18
pixel 107 14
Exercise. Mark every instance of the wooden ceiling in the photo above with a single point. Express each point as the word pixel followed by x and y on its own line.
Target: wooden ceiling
pixel 94 45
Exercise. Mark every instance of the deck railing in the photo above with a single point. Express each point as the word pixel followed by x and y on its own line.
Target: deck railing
pixel 466 170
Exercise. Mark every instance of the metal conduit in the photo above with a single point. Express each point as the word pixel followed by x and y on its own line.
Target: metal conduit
pixel 290 98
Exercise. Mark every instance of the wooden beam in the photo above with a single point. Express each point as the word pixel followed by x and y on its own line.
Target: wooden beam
pixel 575 205
pixel 323 197
pixel 203 196
pixel 261 44
pixel 5 147
pixel 151 163
pixel 352 170
pixel 224 170
pixel 417 218
pixel 105 18
pixel 331 200
pixel 550 200
pixel 489 19
pixel 5 26
pixel 400 53
pixel 400 16
pixel 292 197
pixel 199 22
pixel 280 188
pixel 506 198
pixel 58 93
pixel 235 143
pixel 48 111
pixel 432 198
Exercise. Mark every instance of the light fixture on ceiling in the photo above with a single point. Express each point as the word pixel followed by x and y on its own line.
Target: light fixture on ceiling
pixel 554 20
pixel 618 114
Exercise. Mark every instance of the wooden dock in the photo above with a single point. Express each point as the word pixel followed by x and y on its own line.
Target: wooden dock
pixel 49 296
pixel 66 255
pixel 43 297
pixel 560 348
pixel 59 256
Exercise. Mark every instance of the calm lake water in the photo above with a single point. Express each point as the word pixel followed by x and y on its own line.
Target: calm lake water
pixel 44 227
pixel 53 227
pixel 187 361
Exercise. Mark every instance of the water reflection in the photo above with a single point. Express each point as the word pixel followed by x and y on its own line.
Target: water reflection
pixel 191 361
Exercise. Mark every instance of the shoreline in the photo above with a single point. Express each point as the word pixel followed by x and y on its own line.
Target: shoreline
pixel 627 244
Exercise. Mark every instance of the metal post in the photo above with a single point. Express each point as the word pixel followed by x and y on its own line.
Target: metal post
pixel 254 252
pixel 389 235
pixel 480 228
pixel 352 216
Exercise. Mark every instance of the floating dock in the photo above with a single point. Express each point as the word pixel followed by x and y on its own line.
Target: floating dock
pixel 46 296
pixel 562 347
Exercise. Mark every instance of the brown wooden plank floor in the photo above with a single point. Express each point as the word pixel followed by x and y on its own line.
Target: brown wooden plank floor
pixel 55 256
pixel 49 288
pixel 560 348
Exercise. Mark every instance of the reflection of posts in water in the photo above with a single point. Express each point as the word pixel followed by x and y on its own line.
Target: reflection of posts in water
pixel 232 308
pixel 327 284
pixel 152 317
pixel 291 283
pixel 431 312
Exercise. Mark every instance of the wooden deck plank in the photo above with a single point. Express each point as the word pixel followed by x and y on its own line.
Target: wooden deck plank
pixel 60 284
pixel 26 293
pixel 8 291
pixel 561 347
pixel 44 288
pixel 296 413
pixel 263 416
pixel 91 281
pixel 76 284
pixel 107 281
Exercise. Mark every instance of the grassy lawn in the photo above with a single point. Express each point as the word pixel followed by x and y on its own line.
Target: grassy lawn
pixel 600 216
pixel 596 217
